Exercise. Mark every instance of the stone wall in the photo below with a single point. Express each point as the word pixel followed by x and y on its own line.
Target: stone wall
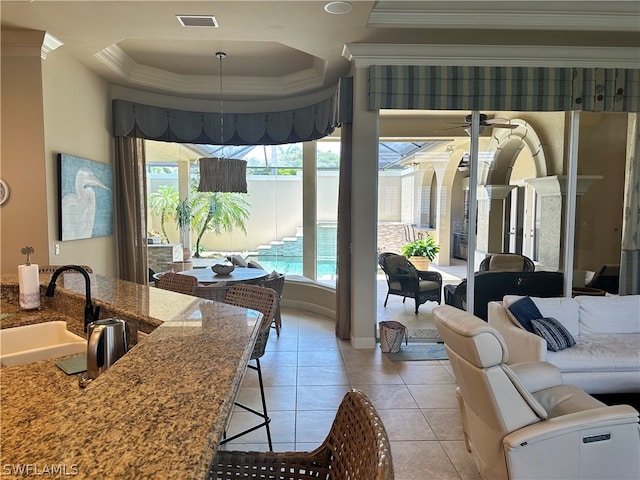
pixel 392 235
pixel 159 256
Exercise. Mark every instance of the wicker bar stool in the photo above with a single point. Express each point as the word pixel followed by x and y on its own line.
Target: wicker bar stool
pixel 275 281
pixel 357 447
pixel 265 301
pixel 177 283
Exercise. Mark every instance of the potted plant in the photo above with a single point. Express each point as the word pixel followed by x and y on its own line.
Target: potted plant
pixel 183 219
pixel 421 252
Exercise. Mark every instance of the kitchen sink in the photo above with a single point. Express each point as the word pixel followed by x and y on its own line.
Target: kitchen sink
pixel 42 341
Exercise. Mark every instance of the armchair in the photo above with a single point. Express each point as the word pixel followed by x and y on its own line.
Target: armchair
pixel 405 280
pixel 521 421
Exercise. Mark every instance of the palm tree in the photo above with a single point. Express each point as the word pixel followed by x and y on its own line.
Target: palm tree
pixel 217 212
pixel 163 202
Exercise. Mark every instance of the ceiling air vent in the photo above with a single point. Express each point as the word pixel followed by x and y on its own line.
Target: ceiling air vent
pixel 197 20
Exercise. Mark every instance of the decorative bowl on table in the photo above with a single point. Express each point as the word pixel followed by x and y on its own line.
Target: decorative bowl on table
pixel 223 268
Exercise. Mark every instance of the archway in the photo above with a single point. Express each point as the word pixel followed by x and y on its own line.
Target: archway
pixel 518 155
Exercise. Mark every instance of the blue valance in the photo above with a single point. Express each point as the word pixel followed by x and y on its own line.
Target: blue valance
pixel 158 123
pixel 503 88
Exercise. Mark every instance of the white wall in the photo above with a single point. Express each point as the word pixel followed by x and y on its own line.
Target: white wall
pixel 80 128
pixel 276 210
pixel 48 106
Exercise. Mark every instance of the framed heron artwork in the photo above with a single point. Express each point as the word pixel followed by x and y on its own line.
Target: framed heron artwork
pixel 85 208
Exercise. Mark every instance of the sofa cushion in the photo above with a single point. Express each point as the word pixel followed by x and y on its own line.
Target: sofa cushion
pixel 563 309
pixel 599 353
pixel 524 310
pixel 506 263
pixel 609 314
pixel 557 337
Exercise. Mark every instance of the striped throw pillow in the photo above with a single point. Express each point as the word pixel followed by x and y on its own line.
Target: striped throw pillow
pixel 557 337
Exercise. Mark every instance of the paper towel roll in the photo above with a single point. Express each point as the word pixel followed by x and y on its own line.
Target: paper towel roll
pixel 29 283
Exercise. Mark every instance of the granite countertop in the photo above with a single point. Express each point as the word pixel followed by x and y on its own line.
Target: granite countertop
pixel 159 412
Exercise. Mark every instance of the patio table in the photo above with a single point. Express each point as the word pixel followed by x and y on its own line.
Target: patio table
pixel 207 276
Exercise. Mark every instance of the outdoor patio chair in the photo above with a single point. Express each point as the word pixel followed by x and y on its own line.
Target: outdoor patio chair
pixel 405 280
pixel 357 447
pixel 506 262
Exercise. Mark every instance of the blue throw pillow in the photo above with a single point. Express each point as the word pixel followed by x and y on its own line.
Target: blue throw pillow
pixel 524 310
pixel 557 337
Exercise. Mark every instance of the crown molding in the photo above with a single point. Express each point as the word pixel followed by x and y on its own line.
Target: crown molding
pixel 116 59
pixel 365 55
pixel 28 43
pixel 508 20
pixel 49 45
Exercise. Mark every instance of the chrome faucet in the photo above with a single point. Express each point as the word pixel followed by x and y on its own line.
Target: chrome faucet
pixel 90 314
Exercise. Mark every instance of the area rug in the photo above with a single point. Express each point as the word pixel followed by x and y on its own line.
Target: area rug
pixel 419 351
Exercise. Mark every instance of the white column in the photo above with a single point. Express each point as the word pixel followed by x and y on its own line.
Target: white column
pixel 552 192
pixel 364 208
pixel 309 207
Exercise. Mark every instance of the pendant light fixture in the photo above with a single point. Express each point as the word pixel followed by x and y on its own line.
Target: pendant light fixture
pixel 220 174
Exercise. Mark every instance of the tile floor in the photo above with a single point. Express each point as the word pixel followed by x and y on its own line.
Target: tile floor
pixel 307 371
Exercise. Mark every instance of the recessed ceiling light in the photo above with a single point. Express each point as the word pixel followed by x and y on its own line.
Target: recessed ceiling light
pixel 338 8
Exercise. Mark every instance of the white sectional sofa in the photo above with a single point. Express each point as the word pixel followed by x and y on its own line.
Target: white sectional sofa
pixel 606 356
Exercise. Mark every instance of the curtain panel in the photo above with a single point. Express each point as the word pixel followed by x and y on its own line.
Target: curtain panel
pixel 344 234
pixel 272 128
pixel 131 209
pixel 540 89
pixel 630 255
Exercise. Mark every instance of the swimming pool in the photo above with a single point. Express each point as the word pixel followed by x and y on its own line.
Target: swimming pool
pixel 326 268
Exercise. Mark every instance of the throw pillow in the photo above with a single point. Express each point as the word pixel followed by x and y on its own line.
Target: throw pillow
pixel 524 310
pixel 407 271
pixel 238 261
pixel 557 337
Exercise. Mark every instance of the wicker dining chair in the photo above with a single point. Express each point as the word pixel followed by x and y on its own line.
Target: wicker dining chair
pixel 275 281
pixel 177 283
pixel 215 291
pixel 265 301
pixel 357 447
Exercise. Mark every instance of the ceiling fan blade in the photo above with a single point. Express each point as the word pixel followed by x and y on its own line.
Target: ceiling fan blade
pixel 496 120
pixel 502 125
pixel 450 128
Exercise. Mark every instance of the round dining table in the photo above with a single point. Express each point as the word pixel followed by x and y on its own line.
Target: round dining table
pixel 239 274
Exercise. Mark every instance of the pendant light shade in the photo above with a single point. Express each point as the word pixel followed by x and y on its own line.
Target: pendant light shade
pixel 223 175
pixel 219 174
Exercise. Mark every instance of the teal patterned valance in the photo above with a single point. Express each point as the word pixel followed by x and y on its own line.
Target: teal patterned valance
pixel 503 88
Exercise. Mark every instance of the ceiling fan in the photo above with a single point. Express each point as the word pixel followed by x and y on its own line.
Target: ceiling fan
pixel 485 122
